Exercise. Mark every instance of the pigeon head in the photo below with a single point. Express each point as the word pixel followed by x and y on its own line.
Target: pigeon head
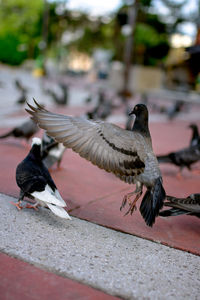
pixel 141 120
pixel 192 126
pixel 139 110
pixel 36 147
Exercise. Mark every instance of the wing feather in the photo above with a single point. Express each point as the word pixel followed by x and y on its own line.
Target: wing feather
pixel 106 145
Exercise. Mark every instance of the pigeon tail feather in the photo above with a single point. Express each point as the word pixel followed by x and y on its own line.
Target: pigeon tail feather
pixel 48 196
pixel 152 202
pixel 164 159
pixel 58 211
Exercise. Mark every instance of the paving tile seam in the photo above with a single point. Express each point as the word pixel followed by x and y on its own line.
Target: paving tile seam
pixel 75 235
pixel 61 274
pixel 88 203
pixel 137 235
pixel 141 237
pixel 58 273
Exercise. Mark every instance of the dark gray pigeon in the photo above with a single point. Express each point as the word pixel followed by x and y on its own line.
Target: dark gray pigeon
pixel 25 131
pixel 195 135
pixel 175 109
pixel 63 99
pixel 23 92
pixel 127 154
pixel 35 182
pixel 180 206
pixel 102 109
pixel 182 158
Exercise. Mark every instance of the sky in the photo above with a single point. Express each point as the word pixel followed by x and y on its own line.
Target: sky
pixel 103 7
pixel 188 9
pixel 95 7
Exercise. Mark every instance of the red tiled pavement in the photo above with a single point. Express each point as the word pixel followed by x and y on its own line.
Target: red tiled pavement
pixel 20 280
pixel 95 195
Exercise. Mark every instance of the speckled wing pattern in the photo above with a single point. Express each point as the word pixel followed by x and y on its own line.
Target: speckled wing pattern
pixel 106 145
pixel 190 204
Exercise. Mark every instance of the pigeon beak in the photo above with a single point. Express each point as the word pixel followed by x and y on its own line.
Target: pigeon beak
pixel 131 113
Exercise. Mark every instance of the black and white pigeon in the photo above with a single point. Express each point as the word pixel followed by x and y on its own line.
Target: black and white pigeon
pixel 182 206
pixel 35 182
pixel 195 134
pixel 52 151
pixel 182 158
pixel 127 154
pixel 24 131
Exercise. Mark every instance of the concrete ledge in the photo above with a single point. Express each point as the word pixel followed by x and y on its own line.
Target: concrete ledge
pixel 116 263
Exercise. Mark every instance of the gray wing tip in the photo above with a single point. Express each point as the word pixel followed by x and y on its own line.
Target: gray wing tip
pixel 39 107
pixel 33 110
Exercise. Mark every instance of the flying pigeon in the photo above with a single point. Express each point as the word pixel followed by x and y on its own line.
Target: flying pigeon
pixel 127 154
pixel 182 158
pixel 195 135
pixel 35 182
pixel 180 206
pixel 26 130
pixel 52 151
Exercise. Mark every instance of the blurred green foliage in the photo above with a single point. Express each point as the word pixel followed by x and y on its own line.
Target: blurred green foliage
pixel 9 44
pixel 151 43
pixel 22 28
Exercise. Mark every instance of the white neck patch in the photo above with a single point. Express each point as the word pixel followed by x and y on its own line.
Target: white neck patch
pixel 36 141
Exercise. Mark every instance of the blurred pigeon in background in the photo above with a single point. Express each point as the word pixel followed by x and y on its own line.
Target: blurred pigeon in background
pixel 23 91
pixel 63 99
pixel 182 158
pixel 195 135
pixel 103 108
pixel 25 131
pixel 52 151
pixel 174 109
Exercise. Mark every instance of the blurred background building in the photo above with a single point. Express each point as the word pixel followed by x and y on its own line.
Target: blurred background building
pixel 135 45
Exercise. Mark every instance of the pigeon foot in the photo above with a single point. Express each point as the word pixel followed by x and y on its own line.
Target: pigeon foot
pixel 132 204
pixel 34 206
pixel 19 207
pixel 195 171
pixel 179 175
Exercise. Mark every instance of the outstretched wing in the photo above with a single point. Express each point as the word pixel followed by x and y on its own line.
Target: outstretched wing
pixel 106 145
